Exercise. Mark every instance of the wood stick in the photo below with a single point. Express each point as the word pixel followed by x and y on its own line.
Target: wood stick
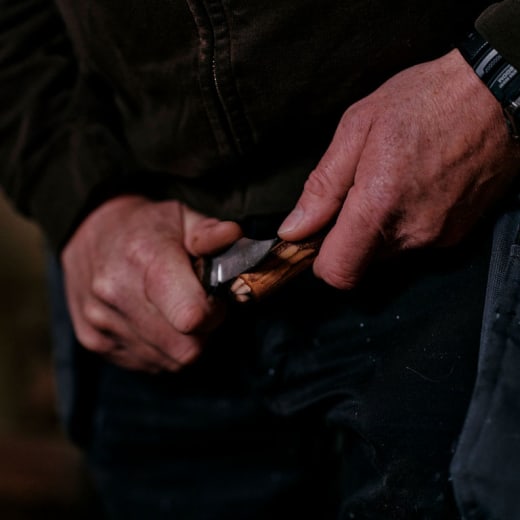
pixel 283 262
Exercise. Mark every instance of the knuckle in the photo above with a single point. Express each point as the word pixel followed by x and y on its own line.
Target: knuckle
pixel 386 197
pixel 338 278
pixel 320 183
pixel 170 364
pixel 138 252
pixel 351 116
pixel 105 288
pixel 187 356
pixel 421 234
pixel 358 119
pixel 93 314
pixel 187 317
pixel 94 341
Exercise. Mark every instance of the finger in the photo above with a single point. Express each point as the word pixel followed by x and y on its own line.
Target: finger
pixel 351 244
pixel 88 336
pixel 124 359
pixel 114 337
pixel 327 186
pixel 204 235
pixel 152 329
pixel 100 341
pixel 209 238
pixel 172 287
pixel 160 307
pixel 106 344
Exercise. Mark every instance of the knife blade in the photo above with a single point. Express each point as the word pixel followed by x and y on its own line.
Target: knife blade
pixel 241 256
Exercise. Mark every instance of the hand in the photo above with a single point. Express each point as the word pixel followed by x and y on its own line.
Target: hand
pixel 130 285
pixel 414 164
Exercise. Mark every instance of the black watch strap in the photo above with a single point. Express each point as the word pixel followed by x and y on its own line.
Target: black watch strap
pixel 473 47
pixel 502 78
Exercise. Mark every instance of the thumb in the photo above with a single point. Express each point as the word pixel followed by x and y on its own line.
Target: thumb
pixel 205 235
pixel 326 188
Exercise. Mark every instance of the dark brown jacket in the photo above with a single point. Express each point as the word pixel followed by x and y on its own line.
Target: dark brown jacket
pixel 226 104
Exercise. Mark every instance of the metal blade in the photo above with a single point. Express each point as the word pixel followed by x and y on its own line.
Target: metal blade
pixel 241 256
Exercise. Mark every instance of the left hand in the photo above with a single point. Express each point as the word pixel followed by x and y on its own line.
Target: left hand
pixel 414 164
pixel 131 290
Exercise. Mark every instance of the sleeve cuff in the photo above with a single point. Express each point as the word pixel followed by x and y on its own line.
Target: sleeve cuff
pixel 499 24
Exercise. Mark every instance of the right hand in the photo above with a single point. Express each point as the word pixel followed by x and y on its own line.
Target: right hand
pixel 415 164
pixel 130 285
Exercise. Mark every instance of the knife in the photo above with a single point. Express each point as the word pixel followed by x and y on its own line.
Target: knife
pixel 252 269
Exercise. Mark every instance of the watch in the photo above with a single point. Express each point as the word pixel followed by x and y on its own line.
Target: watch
pixel 502 78
pixel 512 113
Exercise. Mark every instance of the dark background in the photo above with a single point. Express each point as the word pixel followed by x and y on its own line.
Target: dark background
pixel 41 473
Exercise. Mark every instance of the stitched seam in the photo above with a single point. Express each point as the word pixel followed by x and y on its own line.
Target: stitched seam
pixel 216 80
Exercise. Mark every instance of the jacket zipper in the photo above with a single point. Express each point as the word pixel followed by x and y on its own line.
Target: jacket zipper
pixel 223 107
pixel 230 126
pixel 218 92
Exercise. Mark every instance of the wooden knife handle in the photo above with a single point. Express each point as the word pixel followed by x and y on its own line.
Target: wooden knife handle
pixel 283 262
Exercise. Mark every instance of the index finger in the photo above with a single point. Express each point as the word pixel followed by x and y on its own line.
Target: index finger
pixel 328 184
pixel 350 245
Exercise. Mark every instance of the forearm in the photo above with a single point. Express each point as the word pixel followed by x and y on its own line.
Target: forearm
pixel 58 148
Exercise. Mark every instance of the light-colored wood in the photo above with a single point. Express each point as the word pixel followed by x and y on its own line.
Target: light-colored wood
pixel 283 262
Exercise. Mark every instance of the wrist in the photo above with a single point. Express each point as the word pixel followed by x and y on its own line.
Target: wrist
pixel 500 77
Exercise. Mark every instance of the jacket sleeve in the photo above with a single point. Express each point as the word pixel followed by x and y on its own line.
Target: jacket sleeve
pixel 60 146
pixel 500 25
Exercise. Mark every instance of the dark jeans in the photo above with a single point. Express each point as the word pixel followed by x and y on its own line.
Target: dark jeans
pixel 486 467
pixel 315 404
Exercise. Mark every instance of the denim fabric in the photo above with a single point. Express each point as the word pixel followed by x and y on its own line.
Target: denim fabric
pixel 486 467
pixel 314 404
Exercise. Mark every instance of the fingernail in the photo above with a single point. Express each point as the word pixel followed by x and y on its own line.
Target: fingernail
pixel 292 220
